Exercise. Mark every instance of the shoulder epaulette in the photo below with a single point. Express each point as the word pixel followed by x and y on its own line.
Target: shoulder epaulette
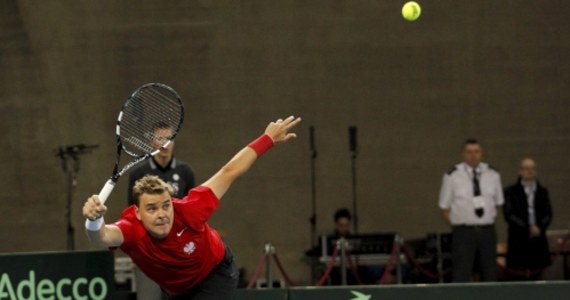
pixel 451 170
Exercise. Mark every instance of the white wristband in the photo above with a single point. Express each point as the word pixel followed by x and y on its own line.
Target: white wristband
pixel 94 225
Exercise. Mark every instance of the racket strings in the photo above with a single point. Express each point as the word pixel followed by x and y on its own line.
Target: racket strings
pixel 149 109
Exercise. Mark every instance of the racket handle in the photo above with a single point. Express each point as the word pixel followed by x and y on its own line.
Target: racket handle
pixel 106 191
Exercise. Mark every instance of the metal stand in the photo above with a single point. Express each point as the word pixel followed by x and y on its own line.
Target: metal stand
pixel 353 153
pixel 399 241
pixel 353 145
pixel 269 253
pixel 439 257
pixel 313 219
pixel 65 153
pixel 269 250
pixel 342 244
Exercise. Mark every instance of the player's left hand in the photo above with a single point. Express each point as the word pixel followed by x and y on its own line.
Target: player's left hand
pixel 278 131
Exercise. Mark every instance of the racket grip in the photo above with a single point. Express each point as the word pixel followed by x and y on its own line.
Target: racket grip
pixel 106 191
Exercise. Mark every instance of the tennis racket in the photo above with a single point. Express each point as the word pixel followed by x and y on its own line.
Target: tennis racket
pixel 153 108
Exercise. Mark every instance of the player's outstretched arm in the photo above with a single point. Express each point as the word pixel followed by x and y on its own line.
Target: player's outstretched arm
pixel 97 231
pixel 275 132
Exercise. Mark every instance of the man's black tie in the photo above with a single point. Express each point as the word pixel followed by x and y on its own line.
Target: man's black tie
pixel 479 211
pixel 476 187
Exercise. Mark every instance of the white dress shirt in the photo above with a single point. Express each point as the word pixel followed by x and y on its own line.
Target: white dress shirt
pixel 530 189
pixel 457 194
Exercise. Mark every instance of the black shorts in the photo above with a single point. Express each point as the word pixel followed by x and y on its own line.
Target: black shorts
pixel 220 283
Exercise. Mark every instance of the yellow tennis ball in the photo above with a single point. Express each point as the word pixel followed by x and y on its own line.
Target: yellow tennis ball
pixel 411 11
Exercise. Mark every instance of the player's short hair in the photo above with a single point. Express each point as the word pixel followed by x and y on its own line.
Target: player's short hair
pixel 152 185
pixel 342 213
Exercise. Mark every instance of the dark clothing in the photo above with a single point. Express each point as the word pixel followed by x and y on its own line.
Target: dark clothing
pixel 526 253
pixel 474 246
pixel 220 283
pixel 177 174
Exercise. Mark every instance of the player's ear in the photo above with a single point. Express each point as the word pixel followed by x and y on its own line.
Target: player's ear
pixel 138 213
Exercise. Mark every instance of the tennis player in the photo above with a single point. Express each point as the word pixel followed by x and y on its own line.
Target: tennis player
pixel 169 239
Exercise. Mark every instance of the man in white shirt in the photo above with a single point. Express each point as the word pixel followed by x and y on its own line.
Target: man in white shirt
pixel 470 194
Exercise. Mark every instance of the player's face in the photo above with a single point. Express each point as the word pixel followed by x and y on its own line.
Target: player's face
pixel 528 169
pixel 472 154
pixel 162 135
pixel 156 214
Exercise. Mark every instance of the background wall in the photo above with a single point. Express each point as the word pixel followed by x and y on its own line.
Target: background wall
pixel 494 70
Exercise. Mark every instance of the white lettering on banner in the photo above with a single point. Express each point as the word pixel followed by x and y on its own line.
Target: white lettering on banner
pixel 46 289
pixel 103 285
pixel 6 289
pixel 29 285
pixel 76 289
pixel 64 281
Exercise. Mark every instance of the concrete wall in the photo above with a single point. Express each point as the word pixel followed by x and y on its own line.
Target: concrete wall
pixel 494 70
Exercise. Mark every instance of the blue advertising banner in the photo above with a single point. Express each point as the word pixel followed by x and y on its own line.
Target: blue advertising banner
pixel 57 276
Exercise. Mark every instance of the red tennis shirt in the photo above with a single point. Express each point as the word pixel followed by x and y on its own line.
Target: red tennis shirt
pixel 190 251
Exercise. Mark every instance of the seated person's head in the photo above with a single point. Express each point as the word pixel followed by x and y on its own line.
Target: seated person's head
pixel 342 219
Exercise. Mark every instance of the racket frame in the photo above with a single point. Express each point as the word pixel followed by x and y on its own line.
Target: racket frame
pixel 116 174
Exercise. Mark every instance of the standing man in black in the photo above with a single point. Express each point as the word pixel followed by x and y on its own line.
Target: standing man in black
pixel 470 194
pixel 175 173
pixel 528 213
